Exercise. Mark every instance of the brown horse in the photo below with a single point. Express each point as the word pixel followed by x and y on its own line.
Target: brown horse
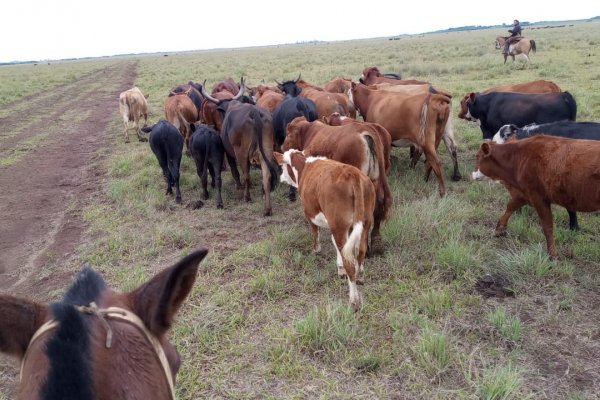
pixel 98 343
pixel 523 46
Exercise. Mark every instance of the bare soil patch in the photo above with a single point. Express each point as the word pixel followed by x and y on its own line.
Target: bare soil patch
pixel 52 145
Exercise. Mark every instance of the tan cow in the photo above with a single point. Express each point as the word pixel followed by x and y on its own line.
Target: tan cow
pixel 133 106
pixel 339 197
pixel 418 119
pixel 181 112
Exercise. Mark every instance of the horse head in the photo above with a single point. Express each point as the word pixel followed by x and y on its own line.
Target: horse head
pixel 98 343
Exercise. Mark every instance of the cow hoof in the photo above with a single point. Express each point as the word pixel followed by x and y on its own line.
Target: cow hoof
pixel 143 139
pixel 178 200
pixel 456 177
pixel 197 205
pixel 500 233
pixel 376 247
pixel 205 196
pixel 360 282
pixel 268 213
pixel 220 206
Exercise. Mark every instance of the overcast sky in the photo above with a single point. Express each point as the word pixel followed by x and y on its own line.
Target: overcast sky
pixel 55 29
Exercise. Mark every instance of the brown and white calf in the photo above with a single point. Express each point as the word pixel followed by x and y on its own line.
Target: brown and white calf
pixel 339 197
pixel 541 171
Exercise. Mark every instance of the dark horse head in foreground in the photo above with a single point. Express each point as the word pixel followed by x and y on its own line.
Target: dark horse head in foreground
pixel 97 343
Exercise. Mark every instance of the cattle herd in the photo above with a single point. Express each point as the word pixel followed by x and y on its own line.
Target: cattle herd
pixel 339 164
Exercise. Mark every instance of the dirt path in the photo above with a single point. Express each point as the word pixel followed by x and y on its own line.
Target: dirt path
pixel 49 145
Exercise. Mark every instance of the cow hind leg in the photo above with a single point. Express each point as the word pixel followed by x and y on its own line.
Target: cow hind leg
pixel 234 171
pixel 545 214
pixel 452 149
pixel 573 224
pixel 433 162
pixel 339 261
pixel 266 181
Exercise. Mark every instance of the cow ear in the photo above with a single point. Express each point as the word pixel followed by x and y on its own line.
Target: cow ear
pixel 472 97
pixel 278 157
pixel 157 301
pixel 20 320
pixel 353 85
pixel 486 149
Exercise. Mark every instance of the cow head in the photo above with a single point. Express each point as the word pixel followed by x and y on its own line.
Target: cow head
pixel 292 163
pixel 469 101
pixel 505 133
pixel 290 88
pixel 294 138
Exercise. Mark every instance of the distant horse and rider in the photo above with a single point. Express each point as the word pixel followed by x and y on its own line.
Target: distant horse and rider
pixel 515 43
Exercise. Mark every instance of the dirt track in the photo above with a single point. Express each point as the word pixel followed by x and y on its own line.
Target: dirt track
pixel 51 143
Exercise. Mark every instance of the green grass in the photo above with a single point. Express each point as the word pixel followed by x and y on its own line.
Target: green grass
pixel 267 318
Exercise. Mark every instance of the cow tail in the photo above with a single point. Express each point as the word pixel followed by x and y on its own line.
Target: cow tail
pixel 382 178
pixel 225 137
pixel 350 248
pixel 258 131
pixel 572 104
pixel 205 166
pixel 532 43
pixel 173 168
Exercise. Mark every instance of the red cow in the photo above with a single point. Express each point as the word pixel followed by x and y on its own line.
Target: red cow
pixel 339 197
pixel 181 112
pixel 541 171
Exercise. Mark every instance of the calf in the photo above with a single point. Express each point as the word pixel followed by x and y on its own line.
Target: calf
pixel 133 106
pixel 167 145
pixel 208 153
pixel 339 197
pixel 541 171
pixel 495 109
pixel 357 144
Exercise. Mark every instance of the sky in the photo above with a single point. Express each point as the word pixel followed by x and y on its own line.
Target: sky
pixel 57 29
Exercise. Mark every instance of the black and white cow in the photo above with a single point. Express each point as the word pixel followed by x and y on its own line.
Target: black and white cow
pixel 568 129
pixel 208 153
pixel 167 145
pixel 496 109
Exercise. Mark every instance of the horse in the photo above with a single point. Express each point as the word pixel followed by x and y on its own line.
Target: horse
pixel 97 343
pixel 523 46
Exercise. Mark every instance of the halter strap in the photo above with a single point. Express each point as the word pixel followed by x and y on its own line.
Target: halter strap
pixel 118 314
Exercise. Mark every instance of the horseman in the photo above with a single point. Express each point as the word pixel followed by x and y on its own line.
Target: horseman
pixel 515 35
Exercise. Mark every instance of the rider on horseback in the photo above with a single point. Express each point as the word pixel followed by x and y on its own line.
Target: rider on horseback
pixel 515 35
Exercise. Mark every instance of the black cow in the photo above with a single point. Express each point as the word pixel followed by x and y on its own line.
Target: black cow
pixel 495 109
pixel 194 92
pixel 568 129
pixel 208 153
pixel 291 107
pixel 167 145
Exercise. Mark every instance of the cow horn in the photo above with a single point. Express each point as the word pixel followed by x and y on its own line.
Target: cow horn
pixel 208 96
pixel 242 89
pixel 296 81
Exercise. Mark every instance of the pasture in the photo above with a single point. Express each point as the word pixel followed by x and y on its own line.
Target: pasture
pixel 267 319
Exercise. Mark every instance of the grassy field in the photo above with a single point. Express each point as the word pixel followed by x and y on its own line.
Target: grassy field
pixel 269 319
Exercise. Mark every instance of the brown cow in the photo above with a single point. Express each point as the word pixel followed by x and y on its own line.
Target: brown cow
pixel 267 97
pixel 181 112
pixel 338 85
pixel 371 75
pixel 541 171
pixel 448 136
pixel 339 197
pixel 227 84
pixel 355 144
pixel 328 103
pixel 539 86
pixel 133 106
pixel 418 119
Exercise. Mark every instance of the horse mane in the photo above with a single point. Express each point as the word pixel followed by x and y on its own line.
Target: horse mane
pixel 68 350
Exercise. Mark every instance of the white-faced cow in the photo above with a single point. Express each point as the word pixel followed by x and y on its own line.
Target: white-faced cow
pixel 133 106
pixel 339 197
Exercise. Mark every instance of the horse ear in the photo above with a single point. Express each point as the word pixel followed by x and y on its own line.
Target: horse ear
pixel 157 301
pixel 20 320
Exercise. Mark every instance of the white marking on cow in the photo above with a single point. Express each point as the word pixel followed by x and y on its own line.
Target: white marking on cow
pixel 354 295
pixel 350 249
pixel 530 127
pixel 469 117
pixel 350 96
pixel 478 175
pixel 286 178
pixel 314 158
pixel 338 259
pixel 320 220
